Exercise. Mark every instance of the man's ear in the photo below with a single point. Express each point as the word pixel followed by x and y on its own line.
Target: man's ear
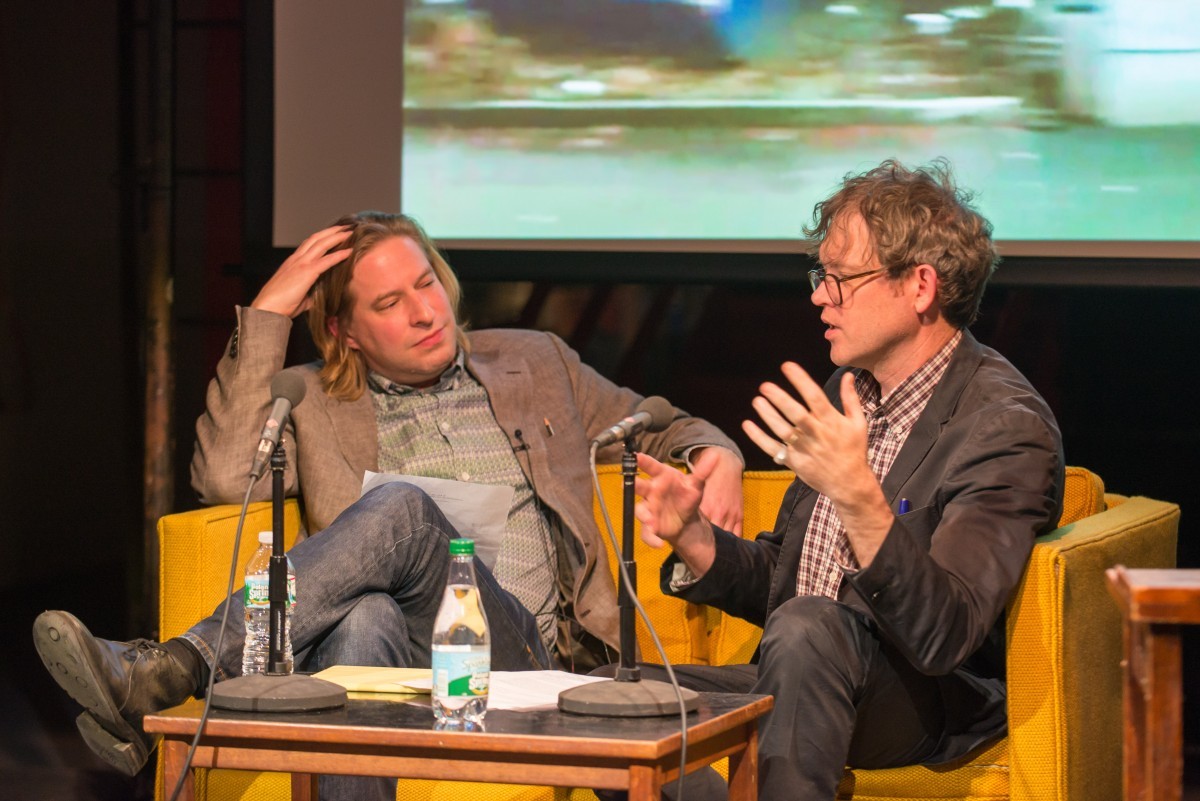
pixel 926 279
pixel 332 325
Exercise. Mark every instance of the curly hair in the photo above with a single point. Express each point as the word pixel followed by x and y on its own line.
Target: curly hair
pixel 344 372
pixel 918 217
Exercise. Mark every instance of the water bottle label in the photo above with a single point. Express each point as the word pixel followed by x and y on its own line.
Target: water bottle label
pixel 257 594
pixel 460 670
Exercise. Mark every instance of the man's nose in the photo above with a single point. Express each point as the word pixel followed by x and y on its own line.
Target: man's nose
pixel 422 312
pixel 820 296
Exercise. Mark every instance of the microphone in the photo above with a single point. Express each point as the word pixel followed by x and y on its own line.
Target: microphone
pixel 653 414
pixel 287 390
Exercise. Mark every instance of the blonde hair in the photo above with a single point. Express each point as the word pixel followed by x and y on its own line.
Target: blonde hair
pixel 344 373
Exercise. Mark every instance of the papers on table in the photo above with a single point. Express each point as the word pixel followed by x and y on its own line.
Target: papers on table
pixel 514 690
pixel 477 511
pixel 528 690
pixel 378 679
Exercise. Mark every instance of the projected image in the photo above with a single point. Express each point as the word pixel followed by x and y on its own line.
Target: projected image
pixel 728 119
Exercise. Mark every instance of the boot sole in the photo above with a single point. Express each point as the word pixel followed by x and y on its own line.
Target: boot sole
pixel 58 638
pixel 126 756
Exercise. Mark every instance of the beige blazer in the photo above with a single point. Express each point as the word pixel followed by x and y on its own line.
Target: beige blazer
pixel 532 378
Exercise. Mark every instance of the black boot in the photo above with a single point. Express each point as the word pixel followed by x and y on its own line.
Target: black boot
pixel 117 682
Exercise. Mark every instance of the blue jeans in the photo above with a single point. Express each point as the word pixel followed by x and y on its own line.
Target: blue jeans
pixel 367 591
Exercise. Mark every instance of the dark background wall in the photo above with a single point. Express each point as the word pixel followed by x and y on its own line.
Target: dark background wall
pixel 1119 366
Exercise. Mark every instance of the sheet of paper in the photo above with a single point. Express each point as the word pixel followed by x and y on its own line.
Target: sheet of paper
pixel 525 690
pixel 378 679
pixel 477 511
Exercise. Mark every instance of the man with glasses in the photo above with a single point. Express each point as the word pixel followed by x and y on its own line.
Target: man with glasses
pixel 924 470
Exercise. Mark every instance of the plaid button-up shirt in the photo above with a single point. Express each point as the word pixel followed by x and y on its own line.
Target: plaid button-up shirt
pixel 827 553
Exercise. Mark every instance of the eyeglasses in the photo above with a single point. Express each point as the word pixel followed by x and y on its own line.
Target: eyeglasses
pixel 833 283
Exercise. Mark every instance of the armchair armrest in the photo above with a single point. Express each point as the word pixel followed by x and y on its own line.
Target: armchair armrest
pixel 195 549
pixel 1064 651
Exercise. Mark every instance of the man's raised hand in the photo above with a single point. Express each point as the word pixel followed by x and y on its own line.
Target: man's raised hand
pixel 287 291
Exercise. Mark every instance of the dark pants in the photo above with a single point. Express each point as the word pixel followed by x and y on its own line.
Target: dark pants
pixel 842 697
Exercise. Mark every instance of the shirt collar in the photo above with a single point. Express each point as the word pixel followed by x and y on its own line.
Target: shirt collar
pixel 448 380
pixel 908 400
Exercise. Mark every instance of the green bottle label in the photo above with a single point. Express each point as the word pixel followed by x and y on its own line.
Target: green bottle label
pixel 461 670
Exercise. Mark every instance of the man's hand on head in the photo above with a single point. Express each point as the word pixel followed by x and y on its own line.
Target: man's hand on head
pixel 287 291
pixel 721 471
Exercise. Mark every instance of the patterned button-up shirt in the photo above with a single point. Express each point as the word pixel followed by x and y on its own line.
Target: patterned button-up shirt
pixel 448 431
pixel 827 552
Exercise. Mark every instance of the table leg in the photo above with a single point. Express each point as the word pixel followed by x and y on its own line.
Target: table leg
pixel 645 783
pixel 1135 712
pixel 1154 723
pixel 1163 765
pixel 304 787
pixel 174 757
pixel 743 768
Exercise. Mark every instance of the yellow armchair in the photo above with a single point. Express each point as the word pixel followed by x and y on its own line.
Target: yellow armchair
pixel 1064 655
pixel 1063 632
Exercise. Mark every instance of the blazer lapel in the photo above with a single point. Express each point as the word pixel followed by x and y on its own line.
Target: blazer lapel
pixel 928 426
pixel 508 381
pixel 355 431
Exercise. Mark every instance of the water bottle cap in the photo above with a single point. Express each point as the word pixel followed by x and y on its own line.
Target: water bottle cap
pixel 462 546
pixel 266 537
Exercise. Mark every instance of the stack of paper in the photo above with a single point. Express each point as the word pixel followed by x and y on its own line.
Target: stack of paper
pixel 520 690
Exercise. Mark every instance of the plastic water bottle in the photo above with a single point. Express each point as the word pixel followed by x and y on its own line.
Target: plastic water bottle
pixel 462 651
pixel 256 653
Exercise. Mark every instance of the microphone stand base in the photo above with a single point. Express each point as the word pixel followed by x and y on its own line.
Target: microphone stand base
pixel 626 699
pixel 262 692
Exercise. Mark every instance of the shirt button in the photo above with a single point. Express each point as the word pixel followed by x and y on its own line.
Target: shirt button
pixel 464 476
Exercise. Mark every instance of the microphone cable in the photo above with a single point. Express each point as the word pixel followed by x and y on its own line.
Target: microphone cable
pixel 637 604
pixel 212 673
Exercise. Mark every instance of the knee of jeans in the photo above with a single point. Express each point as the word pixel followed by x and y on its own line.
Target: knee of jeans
pixel 373 632
pixel 396 494
pixel 808 627
pixel 374 612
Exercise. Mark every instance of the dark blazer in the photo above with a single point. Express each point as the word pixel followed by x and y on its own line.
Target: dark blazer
pixel 983 472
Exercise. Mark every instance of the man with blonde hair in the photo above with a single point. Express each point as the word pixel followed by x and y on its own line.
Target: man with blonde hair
pixel 402 388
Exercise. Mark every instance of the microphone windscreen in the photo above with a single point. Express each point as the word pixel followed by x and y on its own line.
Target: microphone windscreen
pixel 660 410
pixel 290 385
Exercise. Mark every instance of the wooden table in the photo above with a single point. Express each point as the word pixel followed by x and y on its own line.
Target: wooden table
pixel 1154 603
pixel 391 738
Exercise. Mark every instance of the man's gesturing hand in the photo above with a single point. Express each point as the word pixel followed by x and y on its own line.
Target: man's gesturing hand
pixel 669 511
pixel 721 471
